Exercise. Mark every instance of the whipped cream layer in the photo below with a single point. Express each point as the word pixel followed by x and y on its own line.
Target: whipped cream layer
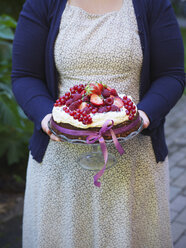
pixel 98 119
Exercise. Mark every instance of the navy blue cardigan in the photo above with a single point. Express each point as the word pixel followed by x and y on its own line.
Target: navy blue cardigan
pixel 34 75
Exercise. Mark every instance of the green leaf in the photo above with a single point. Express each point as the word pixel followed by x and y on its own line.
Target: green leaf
pixel 7 21
pixel 6 90
pixel 6 33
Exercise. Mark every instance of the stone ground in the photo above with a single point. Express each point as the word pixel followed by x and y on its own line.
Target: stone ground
pixel 11 206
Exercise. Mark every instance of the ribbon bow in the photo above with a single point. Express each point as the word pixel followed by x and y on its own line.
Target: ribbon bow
pixel 99 136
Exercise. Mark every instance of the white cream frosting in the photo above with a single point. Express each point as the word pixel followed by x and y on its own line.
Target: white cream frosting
pixel 98 119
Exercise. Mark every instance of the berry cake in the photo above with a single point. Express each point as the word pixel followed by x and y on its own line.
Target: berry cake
pixel 86 108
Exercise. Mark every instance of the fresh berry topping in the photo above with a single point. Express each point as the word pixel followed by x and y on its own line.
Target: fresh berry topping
pixel 67 94
pixel 84 122
pixel 100 86
pixel 113 92
pixel 80 101
pixel 115 108
pixel 85 117
pixel 108 88
pixel 133 111
pixel 75 117
pixel 102 110
pixel 76 97
pixel 71 113
pixel 105 93
pixel 109 101
pixel 92 89
pixel 68 102
pixel 96 100
pixel 80 118
pixel 67 110
pixel 55 104
pixel 125 102
pixel 108 108
pixel 86 99
pixel 79 89
pixel 125 98
pixel 74 105
pixel 83 92
pixel 89 120
pixel 118 102
pixel 87 110
pixel 82 105
pixel 64 108
pixel 127 112
pixel 94 111
pixel 131 116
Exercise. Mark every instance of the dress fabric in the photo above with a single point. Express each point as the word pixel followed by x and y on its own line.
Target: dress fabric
pixel 62 207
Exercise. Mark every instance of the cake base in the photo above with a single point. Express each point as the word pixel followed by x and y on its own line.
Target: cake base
pixel 123 124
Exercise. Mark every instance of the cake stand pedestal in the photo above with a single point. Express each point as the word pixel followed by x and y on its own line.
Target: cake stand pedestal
pixel 94 160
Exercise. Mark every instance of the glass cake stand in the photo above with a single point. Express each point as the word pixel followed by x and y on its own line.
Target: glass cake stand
pixel 94 160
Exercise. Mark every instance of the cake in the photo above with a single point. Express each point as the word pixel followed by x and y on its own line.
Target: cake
pixel 84 109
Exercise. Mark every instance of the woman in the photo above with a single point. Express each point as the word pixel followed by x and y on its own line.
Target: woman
pixel 135 46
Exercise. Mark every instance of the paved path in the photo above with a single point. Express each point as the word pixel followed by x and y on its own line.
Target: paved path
pixel 10 230
pixel 176 139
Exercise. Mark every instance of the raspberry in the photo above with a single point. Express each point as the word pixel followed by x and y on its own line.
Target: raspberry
pixel 76 97
pixel 102 110
pixel 114 108
pixel 68 102
pixel 105 93
pixel 109 101
pixel 86 99
pixel 74 105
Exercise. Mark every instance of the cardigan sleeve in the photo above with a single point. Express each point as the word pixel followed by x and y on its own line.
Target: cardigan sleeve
pixel 28 61
pixel 166 63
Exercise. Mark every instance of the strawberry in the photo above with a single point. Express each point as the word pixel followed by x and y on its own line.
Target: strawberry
pixel 118 102
pixel 108 88
pixel 100 86
pixel 82 105
pixel 92 89
pixel 96 100
pixel 83 92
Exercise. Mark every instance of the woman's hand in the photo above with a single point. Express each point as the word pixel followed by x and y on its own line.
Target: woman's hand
pixel 44 125
pixel 146 121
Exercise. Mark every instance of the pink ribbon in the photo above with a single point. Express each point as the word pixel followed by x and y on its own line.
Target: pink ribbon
pixel 106 130
pixel 99 136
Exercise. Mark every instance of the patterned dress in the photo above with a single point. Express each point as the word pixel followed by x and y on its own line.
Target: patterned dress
pixel 63 208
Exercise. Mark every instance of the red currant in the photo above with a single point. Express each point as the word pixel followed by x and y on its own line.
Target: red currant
pixel 131 116
pixel 127 112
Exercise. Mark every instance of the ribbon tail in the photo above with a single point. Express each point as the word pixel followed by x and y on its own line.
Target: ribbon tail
pixel 116 142
pixel 105 155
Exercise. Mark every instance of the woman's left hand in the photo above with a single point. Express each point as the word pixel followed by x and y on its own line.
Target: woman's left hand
pixel 146 121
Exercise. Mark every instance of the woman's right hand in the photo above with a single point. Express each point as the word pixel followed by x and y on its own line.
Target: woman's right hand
pixel 44 125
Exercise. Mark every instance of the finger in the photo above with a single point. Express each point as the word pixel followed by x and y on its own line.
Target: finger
pixel 54 138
